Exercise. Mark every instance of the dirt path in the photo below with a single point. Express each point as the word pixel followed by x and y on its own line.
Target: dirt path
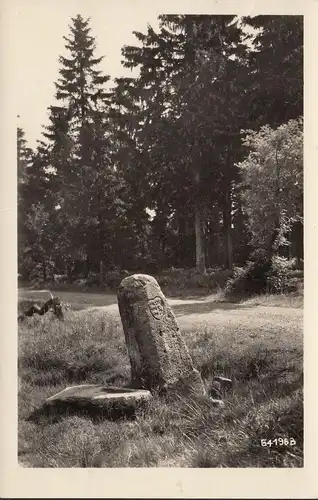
pixel 203 311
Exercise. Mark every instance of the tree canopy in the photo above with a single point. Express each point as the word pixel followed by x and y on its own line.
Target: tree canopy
pixel 195 162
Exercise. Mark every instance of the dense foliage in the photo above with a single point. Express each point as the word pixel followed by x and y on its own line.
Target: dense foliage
pixel 196 162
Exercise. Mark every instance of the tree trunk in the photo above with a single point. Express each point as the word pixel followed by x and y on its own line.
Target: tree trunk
pixel 181 251
pixel 229 247
pixel 160 228
pixel 101 272
pixel 273 248
pixel 86 267
pixel 44 270
pixel 219 249
pixel 227 211
pixel 199 241
pixel 69 272
pixel 101 244
pixel 299 242
pixel 290 246
pixel 227 226
pixel 208 245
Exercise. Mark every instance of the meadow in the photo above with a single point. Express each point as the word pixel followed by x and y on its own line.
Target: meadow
pixel 258 343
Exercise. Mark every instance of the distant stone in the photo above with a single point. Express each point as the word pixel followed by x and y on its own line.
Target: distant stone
pixel 158 355
pixel 97 399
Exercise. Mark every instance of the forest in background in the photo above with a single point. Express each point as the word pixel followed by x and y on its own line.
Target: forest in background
pixel 197 162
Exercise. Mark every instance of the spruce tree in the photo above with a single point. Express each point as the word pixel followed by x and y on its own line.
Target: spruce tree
pixel 275 70
pixel 24 155
pixel 78 140
pixel 36 233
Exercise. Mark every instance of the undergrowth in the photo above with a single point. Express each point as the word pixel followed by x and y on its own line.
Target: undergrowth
pixel 264 275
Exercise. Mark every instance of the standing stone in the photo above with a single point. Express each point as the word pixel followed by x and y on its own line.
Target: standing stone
pixel 158 354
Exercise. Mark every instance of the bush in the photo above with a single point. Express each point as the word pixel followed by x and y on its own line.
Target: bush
pixel 93 279
pixel 280 280
pixel 250 280
pixel 191 279
pixel 263 275
pixel 114 278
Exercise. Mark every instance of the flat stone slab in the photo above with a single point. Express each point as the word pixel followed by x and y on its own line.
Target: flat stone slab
pixel 93 392
pixel 223 381
pixel 92 399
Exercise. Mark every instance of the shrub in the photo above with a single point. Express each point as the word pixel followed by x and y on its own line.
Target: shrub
pixel 114 278
pixel 93 279
pixel 263 275
pixel 192 279
pixel 248 281
pixel 279 279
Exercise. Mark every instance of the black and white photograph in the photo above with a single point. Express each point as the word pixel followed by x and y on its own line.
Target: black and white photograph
pixel 160 238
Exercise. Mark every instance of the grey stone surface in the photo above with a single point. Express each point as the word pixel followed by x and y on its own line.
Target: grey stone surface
pixel 93 398
pixel 223 382
pixel 158 354
pixel 217 402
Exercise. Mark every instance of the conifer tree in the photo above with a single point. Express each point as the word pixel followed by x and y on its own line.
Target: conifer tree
pixel 78 141
pixel 275 69
pixel 24 155
pixel 35 222
pixel 190 86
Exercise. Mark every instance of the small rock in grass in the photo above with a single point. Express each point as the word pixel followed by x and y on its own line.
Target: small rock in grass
pixel 223 381
pixel 217 402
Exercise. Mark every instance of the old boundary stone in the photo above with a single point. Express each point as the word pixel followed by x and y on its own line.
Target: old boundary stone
pixel 158 354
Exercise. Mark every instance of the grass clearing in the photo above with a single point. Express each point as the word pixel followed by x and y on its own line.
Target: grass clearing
pixel 257 344
pixel 77 300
